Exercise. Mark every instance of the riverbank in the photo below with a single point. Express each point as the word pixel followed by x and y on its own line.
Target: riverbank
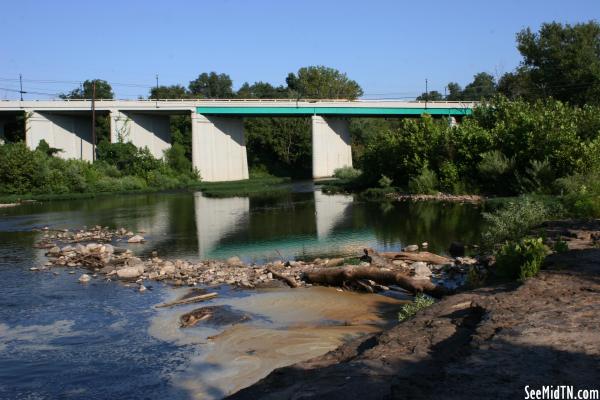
pixel 266 186
pixel 486 343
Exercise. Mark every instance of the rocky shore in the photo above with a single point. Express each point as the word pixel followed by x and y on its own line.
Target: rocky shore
pixel 97 253
pixel 492 342
pixel 458 198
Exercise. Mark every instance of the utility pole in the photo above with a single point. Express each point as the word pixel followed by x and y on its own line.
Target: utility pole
pixel 94 120
pixel 156 90
pixel 21 83
pixel 426 92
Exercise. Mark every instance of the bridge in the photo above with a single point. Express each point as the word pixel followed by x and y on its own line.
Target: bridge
pixel 218 143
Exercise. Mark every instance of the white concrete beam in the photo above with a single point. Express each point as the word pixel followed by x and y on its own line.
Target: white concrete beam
pixel 331 145
pixel 70 133
pixel 219 148
pixel 143 130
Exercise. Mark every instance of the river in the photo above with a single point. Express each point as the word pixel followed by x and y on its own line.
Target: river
pixel 62 339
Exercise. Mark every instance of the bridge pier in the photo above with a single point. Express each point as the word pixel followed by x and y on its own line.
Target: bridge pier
pixel 70 132
pixel 142 129
pixel 219 148
pixel 331 145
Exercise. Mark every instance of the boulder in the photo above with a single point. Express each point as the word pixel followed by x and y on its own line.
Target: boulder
pixel 85 278
pixel 136 239
pixel 54 250
pixel 422 271
pixel 457 249
pixel 131 272
pixel 234 261
pixel 411 248
pixel 168 268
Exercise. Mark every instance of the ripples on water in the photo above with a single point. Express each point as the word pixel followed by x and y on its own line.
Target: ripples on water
pixel 59 338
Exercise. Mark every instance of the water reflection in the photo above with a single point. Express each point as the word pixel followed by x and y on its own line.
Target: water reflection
pixel 294 225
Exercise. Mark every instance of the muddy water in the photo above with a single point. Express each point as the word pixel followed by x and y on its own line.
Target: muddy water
pixel 286 326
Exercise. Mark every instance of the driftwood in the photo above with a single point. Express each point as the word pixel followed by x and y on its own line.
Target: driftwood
pixel 424 256
pixel 351 274
pixel 189 300
pixel 291 282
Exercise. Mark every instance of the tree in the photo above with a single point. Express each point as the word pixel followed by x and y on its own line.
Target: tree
pixel 454 92
pixel 563 61
pixel 482 87
pixel 103 90
pixel 516 84
pixel 169 92
pixel 262 90
pixel 433 95
pixel 212 86
pixel 320 82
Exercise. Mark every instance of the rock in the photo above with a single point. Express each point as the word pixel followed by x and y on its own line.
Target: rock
pixel 457 249
pixel 411 248
pixel 142 288
pixel 85 278
pixel 131 272
pixel 167 268
pixel 424 245
pixel 136 239
pixel 422 271
pixel 34 269
pixel 54 250
pixel 400 263
pixel 234 261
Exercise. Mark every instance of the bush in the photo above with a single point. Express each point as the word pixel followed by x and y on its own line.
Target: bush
pixel 515 219
pixel 424 183
pixel 384 182
pixel 449 178
pixel 347 173
pixel 520 260
pixel 409 310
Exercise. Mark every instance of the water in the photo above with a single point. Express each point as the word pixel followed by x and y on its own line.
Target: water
pixel 61 339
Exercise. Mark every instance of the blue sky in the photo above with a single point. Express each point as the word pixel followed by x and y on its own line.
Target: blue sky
pixel 389 47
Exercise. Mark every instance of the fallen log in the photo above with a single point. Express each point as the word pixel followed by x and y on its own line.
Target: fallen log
pixel 349 274
pixel 291 282
pixel 424 256
pixel 189 300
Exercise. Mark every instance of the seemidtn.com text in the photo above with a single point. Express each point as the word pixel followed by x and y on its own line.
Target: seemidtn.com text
pixel 560 392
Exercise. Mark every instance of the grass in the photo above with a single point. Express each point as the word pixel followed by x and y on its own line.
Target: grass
pixel 409 310
pixel 264 186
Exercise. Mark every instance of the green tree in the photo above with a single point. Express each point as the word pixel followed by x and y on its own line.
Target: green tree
pixel 212 86
pixel 169 92
pixel 320 82
pixel 454 92
pixel 563 61
pixel 103 90
pixel 482 87
pixel 262 90
pixel 433 95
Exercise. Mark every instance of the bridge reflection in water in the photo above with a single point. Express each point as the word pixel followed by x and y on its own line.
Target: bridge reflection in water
pixel 258 229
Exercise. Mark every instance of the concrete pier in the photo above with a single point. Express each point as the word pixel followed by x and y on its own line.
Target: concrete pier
pixel 70 132
pixel 331 145
pixel 142 129
pixel 219 148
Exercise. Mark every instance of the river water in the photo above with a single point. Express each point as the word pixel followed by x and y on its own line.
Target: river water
pixel 62 339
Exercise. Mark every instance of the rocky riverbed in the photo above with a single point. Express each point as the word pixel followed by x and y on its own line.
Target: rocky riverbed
pixel 103 253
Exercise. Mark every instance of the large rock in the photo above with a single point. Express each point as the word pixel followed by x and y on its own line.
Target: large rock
pixel 411 248
pixel 422 271
pixel 131 272
pixel 136 239
pixel 234 261
pixel 85 278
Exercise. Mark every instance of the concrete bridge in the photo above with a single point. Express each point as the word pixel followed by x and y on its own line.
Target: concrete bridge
pixel 218 143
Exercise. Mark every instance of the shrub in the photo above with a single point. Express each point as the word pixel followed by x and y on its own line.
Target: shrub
pixel 347 173
pixel 521 259
pixel 177 160
pixel 384 182
pixel 449 179
pixel 424 183
pixel 18 168
pixel 409 310
pixel 515 220
pixel 560 246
